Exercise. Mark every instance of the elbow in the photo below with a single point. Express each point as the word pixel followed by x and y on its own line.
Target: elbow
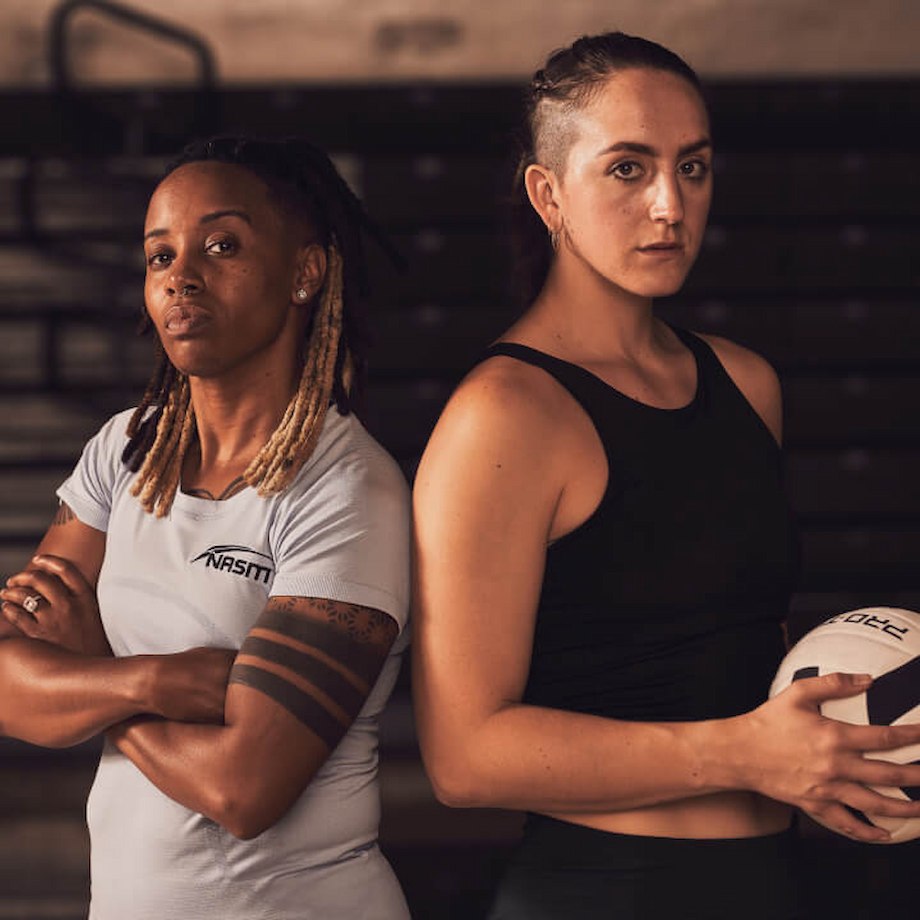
pixel 455 785
pixel 243 820
pixel 453 795
pixel 243 813
pixel 247 829
pixel 460 767
pixel 244 824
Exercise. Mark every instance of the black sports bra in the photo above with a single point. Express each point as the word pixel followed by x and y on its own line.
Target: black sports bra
pixel 667 603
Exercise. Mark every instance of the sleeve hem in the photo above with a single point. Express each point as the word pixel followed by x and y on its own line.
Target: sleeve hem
pixel 86 512
pixel 337 589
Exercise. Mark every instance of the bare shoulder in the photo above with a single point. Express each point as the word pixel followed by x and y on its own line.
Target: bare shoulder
pixel 504 433
pixel 756 379
pixel 530 388
pixel 505 403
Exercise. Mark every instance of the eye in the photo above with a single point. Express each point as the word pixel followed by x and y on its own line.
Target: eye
pixel 694 169
pixel 220 246
pixel 158 258
pixel 627 170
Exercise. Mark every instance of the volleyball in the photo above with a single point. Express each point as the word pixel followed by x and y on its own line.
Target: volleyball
pixel 883 642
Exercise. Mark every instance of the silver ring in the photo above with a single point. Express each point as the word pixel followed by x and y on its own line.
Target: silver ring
pixel 31 602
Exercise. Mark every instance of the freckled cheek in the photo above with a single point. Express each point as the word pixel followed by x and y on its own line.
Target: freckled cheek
pixel 625 216
pixel 152 298
pixel 620 222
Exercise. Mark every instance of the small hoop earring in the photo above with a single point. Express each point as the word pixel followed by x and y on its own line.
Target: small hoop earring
pixel 301 294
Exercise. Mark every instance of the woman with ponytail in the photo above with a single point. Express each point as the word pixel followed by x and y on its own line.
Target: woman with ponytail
pixel 604 556
pixel 224 588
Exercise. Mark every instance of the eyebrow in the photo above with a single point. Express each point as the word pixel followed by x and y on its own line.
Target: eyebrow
pixel 635 147
pixel 206 219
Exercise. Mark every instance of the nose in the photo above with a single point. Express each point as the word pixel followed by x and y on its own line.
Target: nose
pixel 667 203
pixel 183 278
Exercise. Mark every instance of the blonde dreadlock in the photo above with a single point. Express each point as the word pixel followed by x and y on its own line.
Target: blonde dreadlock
pixel 292 442
pixel 158 479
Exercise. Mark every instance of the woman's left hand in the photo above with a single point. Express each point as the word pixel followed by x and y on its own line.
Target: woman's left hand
pixel 52 601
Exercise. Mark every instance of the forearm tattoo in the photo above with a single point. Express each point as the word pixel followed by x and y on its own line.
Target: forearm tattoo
pixel 317 658
pixel 63 515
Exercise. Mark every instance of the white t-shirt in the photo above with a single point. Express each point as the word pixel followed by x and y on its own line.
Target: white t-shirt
pixel 200 577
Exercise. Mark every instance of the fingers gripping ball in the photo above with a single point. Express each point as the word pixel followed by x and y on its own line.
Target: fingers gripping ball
pixel 883 642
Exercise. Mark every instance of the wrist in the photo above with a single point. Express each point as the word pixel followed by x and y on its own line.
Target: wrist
pixel 144 682
pixel 717 748
pixel 98 644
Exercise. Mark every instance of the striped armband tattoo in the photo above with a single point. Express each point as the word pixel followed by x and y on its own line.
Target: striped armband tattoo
pixel 319 673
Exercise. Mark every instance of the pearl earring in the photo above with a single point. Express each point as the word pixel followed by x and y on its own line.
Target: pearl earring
pixel 301 294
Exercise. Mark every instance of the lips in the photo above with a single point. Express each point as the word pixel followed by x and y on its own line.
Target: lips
pixel 662 248
pixel 663 252
pixel 183 319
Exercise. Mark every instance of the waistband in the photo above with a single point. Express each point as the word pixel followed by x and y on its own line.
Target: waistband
pixel 552 842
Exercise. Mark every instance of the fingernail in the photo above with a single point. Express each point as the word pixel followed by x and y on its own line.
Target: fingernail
pixel 861 680
pixel 37 558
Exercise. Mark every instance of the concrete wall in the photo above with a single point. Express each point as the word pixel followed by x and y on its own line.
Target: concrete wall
pixel 258 41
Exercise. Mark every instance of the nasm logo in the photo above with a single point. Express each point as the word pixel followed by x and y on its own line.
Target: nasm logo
pixel 238 560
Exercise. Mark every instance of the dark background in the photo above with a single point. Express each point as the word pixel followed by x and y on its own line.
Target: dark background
pixel 810 260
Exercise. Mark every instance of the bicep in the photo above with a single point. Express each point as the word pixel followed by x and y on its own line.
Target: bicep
pixel 73 540
pixel 301 678
pixel 483 501
pixel 68 537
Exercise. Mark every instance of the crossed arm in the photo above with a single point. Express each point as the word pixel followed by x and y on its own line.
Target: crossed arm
pixel 298 683
pixel 59 684
pixel 238 753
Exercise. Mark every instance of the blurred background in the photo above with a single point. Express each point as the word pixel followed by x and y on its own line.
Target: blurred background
pixel 810 259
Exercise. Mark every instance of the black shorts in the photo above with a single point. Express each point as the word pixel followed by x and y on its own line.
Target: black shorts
pixel 563 871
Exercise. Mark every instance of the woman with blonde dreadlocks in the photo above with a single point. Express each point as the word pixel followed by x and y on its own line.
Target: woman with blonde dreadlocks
pixel 242 506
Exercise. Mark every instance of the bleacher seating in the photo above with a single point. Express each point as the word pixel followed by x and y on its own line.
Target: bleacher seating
pixel 810 259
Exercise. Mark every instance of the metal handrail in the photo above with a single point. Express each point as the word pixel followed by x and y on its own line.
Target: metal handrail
pixel 58 38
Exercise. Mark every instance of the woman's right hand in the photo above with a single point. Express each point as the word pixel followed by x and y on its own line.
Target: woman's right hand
pixel 191 686
pixel 64 609
pixel 796 755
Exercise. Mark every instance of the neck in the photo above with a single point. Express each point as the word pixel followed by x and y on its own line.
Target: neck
pixel 234 418
pixel 582 316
